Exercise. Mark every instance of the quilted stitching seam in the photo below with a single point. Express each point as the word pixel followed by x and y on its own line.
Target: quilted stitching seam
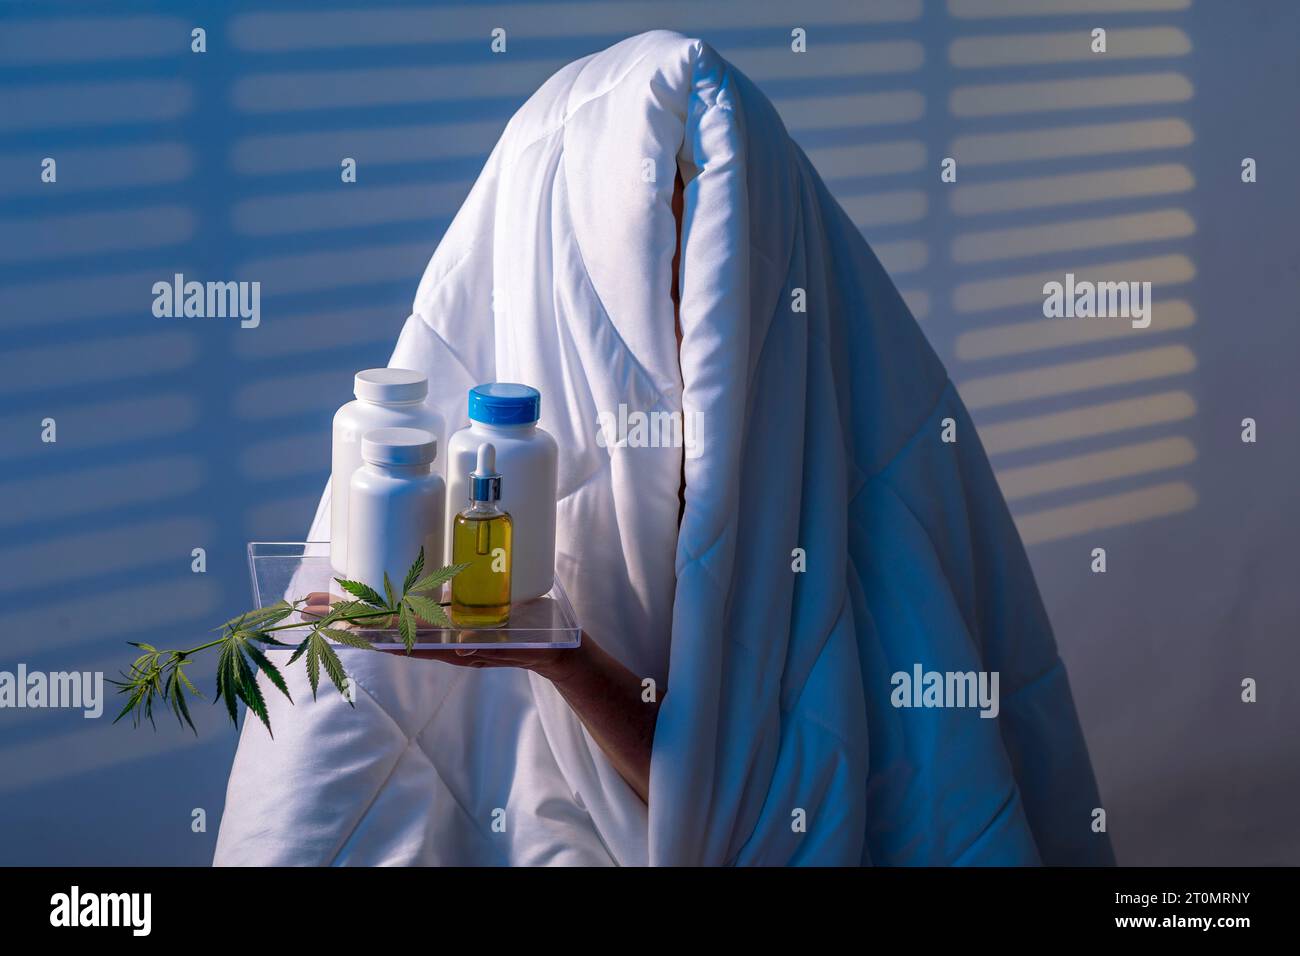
pixel 410 739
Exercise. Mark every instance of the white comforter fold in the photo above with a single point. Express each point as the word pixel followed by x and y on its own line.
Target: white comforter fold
pixel 819 436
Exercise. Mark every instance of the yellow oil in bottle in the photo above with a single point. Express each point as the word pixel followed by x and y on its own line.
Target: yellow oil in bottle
pixel 480 595
pixel 481 538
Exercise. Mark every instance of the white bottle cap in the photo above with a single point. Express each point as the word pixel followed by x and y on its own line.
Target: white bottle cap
pixel 390 385
pixel 484 480
pixel 398 446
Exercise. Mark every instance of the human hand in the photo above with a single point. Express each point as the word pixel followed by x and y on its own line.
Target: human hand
pixel 555 664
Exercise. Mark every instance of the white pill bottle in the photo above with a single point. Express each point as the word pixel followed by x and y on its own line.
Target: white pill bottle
pixel 396 503
pixel 385 398
pixel 527 458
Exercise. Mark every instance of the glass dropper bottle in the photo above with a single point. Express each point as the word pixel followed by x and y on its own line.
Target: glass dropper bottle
pixel 481 538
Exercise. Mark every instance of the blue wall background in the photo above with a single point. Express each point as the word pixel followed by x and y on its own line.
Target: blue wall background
pixel 184 433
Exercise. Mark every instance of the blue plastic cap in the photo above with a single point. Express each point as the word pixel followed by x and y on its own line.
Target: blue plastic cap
pixel 505 403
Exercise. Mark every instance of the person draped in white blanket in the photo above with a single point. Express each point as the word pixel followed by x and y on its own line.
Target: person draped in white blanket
pixel 749 598
pixel 607 697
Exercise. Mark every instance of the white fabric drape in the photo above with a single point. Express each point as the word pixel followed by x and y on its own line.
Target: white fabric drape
pixel 819 436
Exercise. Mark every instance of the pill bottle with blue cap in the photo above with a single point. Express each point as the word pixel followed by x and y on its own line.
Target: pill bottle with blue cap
pixel 506 414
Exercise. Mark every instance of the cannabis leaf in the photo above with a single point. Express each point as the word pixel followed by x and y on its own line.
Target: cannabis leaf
pixel 350 638
pixel 333 666
pixel 160 674
pixel 364 591
pixel 413 575
pixel 270 670
pixel 406 627
pixel 142 682
pixel 427 610
pixel 177 685
pixel 262 617
pixel 436 579
pixel 414 603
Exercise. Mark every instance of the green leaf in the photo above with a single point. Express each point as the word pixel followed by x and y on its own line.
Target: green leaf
pixel 267 639
pixel 274 615
pixel 430 611
pixel 180 672
pixel 350 638
pixel 355 612
pixel 130 705
pixel 314 643
pixel 183 710
pixel 225 682
pixel 437 578
pixel 413 575
pixel 133 689
pixel 388 589
pixel 363 591
pixel 249 692
pixel 341 609
pixel 266 667
pixel 176 693
pixel 333 666
pixel 406 625
pixel 260 617
pixel 301 649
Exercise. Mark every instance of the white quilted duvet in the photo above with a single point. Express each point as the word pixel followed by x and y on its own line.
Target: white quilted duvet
pixel 777 742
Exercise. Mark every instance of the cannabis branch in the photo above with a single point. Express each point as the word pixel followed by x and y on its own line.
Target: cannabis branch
pixel 159 675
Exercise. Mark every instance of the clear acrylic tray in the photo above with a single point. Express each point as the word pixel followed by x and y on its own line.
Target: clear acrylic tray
pixel 289 570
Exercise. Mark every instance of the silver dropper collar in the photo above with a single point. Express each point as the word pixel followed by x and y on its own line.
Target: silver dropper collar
pixel 484 480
